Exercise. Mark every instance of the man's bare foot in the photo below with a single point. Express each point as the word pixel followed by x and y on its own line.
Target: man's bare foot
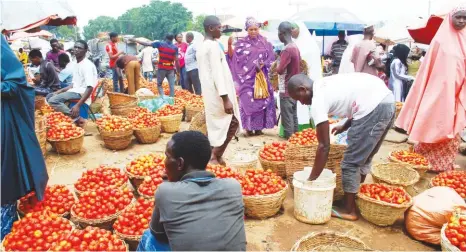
pixel 259 133
pixel 342 214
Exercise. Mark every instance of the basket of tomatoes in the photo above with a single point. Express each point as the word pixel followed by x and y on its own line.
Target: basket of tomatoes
pixel 397 175
pixel 263 193
pixel 452 179
pixel 36 232
pixel 133 221
pixel 198 123
pixel 116 131
pixel 410 158
pixel 57 199
pixel 66 138
pixel 193 107
pixel 147 128
pixel 452 235
pixel 144 166
pixel 101 207
pixel 55 118
pixel 272 156
pixel 100 177
pixel 382 204
pixel 170 116
pixel 150 184
pixel 89 239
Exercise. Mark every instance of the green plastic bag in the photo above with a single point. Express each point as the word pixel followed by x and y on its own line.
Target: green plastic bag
pixel 156 103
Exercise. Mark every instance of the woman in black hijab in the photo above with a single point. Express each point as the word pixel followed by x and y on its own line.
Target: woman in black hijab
pixel 399 72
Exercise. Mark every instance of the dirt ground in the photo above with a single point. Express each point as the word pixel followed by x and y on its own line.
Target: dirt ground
pixel 277 233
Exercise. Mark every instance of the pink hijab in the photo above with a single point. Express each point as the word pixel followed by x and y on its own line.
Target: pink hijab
pixel 435 109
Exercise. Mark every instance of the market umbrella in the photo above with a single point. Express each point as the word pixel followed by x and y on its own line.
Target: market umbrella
pixel 424 35
pixel 22 34
pixel 235 24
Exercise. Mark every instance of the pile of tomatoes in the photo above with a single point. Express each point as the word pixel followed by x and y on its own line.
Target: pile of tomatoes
pixel 89 239
pixel 150 185
pixel 57 199
pixel 305 137
pixel 224 172
pixel 382 192
pixel 260 182
pixel 196 101
pixel 46 109
pixel 169 110
pixel 147 165
pixel 135 219
pixel 36 232
pixel 145 120
pixel 102 202
pixel 452 179
pixel 409 157
pixel 55 118
pixel 64 131
pixel 101 177
pixel 137 111
pixel 456 231
pixel 274 151
pixel 114 123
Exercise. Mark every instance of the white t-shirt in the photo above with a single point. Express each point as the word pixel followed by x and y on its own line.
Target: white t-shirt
pixel 146 56
pixel 351 95
pixel 84 75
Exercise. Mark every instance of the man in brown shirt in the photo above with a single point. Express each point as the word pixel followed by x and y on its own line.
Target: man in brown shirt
pixel 364 58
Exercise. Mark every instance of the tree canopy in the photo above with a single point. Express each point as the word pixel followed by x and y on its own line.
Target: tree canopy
pixel 152 21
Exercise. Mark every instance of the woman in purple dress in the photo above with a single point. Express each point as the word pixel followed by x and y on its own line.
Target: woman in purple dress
pixel 251 55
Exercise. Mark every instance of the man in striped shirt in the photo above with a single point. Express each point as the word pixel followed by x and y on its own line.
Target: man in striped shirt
pixel 338 48
pixel 168 60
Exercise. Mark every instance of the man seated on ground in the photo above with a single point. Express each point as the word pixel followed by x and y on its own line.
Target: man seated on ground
pixel 48 81
pixel 130 64
pixel 66 73
pixel 195 211
pixel 370 108
pixel 84 81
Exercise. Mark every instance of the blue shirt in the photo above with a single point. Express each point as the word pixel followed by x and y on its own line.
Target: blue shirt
pixel 66 75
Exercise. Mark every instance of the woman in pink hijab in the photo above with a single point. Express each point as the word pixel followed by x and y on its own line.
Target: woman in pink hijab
pixel 435 110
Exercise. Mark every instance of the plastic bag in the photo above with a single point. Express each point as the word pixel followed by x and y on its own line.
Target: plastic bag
pixel 260 86
pixel 156 103
pixel 144 92
pixel 431 209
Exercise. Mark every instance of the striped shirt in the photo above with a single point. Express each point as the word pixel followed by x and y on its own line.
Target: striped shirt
pixel 167 54
pixel 338 48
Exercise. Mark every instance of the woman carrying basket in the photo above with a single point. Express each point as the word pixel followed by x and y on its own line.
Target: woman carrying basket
pixel 250 63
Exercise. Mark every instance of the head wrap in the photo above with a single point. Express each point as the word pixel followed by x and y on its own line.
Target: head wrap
pixel 458 9
pixel 250 21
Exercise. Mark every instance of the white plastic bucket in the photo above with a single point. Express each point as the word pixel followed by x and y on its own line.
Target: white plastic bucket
pixel 313 199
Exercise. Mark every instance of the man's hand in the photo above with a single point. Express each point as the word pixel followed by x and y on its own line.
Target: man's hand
pixel 338 130
pixel 228 106
pixel 75 111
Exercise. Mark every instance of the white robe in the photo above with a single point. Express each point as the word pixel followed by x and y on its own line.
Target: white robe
pixel 216 80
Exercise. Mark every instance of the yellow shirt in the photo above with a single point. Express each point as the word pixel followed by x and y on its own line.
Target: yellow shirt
pixel 23 57
pixel 413 67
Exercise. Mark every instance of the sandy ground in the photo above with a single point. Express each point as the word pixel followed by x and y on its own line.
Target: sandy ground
pixel 277 233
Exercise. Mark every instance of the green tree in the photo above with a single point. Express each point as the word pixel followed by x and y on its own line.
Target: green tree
pixel 127 21
pixel 197 24
pixel 100 24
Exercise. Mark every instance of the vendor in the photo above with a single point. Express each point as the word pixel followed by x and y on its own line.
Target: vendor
pixel 48 81
pixel 195 211
pixel 132 68
pixel 370 108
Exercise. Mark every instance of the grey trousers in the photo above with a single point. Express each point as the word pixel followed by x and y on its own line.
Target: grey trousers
pixel 193 82
pixel 58 101
pixel 289 114
pixel 365 137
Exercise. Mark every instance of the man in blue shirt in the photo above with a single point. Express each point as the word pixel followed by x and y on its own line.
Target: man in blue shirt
pixel 66 73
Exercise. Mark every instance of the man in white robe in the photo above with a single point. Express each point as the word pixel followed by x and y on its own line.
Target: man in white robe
pixel 218 91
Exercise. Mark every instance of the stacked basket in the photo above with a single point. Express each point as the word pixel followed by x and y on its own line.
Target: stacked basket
pixel 41 131
pixel 147 133
pixel 171 123
pixel 122 104
pixel 329 241
pixel 68 146
pixel 397 175
pixel 198 123
pixel 117 140
pixel 192 111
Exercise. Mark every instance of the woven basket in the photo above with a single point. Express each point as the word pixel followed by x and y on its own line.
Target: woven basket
pixel 277 167
pixel 131 240
pixel 117 140
pixel 148 135
pixel 242 166
pixel 264 206
pixel 379 212
pixel 135 180
pixel 78 193
pixel 329 241
pixel 116 99
pixel 69 146
pixel 397 175
pixel 191 112
pixel 419 168
pixel 40 122
pixel 65 215
pixel 445 243
pixel 39 101
pixel 123 110
pixel 297 157
pixel 104 223
pixel 42 138
pixel 198 123
pixel 146 196
pixel 171 124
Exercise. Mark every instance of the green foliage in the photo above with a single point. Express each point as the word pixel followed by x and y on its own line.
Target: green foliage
pixel 100 24
pixel 197 24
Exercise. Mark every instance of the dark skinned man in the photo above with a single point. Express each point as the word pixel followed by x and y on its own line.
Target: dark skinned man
pixel 84 80
pixel 369 106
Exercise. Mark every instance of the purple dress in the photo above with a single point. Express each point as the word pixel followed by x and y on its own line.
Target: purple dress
pixel 256 114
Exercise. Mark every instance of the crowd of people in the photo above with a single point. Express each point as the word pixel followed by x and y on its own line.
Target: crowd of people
pixel 434 114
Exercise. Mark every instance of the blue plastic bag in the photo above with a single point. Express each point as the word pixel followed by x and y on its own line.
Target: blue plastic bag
pixel 9 215
pixel 156 103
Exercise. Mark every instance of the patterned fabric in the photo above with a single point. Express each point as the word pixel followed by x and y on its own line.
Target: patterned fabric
pixel 250 21
pixel 440 155
pixel 338 48
pixel 264 119
pixel 167 55
pixel 8 214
